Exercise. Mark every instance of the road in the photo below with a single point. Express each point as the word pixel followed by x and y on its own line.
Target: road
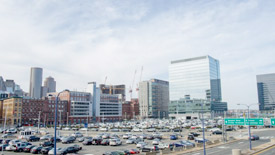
pixel 242 144
pixel 269 151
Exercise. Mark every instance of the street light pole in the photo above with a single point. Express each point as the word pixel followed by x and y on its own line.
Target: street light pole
pixel 248 119
pixel 55 119
pixel 204 150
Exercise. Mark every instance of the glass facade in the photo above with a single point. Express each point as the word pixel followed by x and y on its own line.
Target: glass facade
pixel 266 91
pixel 196 78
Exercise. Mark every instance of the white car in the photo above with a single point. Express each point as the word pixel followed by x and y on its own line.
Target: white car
pixel 58 151
pixel 67 129
pixel 12 142
pixel 103 129
pixel 214 129
pixel 77 134
pixel 155 142
pixel 9 148
pixel 126 136
pixel 83 129
pixel 163 146
pixel 141 144
pixel 115 142
pixel 136 130
pixel 130 141
pixel 134 136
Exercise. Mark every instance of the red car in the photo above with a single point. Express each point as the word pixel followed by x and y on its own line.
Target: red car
pixel 134 151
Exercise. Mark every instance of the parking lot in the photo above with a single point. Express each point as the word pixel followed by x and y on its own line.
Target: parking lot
pixel 100 149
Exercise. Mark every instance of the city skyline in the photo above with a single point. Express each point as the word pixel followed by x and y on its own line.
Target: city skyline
pixel 79 42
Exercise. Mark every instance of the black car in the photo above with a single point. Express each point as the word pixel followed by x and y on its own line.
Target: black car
pixel 191 137
pixel 29 148
pixel 46 143
pixel 177 130
pixel 105 142
pixel 87 142
pixel 71 149
pixel 194 134
pixel 230 129
pixel 36 150
pixel 57 139
pixel 217 132
pixel 45 150
pixel 32 138
pixel 255 137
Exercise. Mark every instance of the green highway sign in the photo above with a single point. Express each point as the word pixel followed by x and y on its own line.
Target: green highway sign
pixel 233 121
pixel 254 121
pixel 273 121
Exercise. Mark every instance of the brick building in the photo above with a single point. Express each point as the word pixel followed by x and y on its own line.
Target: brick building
pixel 130 109
pixel 46 107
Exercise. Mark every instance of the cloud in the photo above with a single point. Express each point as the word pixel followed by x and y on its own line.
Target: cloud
pixel 81 41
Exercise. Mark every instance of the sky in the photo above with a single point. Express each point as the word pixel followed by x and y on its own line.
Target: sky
pixel 77 42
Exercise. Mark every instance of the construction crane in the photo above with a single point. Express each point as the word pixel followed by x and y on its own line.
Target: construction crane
pixel 137 89
pixel 132 86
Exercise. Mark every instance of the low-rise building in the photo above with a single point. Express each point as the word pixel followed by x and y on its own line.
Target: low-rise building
pixel 130 109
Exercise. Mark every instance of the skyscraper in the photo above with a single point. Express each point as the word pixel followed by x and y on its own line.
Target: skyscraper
pixel 266 91
pixel 195 80
pixel 49 86
pixel 153 98
pixel 35 82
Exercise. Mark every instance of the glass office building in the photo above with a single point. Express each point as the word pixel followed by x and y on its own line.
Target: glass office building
pixel 266 91
pixel 195 79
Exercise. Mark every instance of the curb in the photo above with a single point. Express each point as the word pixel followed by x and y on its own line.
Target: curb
pixel 209 146
pixel 258 151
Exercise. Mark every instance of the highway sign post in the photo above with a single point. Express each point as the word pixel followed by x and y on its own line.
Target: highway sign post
pixel 242 121
pixel 234 121
pixel 255 121
pixel 273 121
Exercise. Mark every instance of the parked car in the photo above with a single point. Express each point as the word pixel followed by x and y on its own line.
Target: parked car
pixel 214 129
pixel 164 146
pixel 105 142
pixel 123 152
pixel 46 137
pixel 156 141
pixel 67 140
pixel 58 139
pixel 87 142
pixel 217 132
pixel 200 140
pixel 115 142
pixel 115 130
pixel 6 135
pixel 45 150
pixel 46 143
pixel 96 141
pixel 77 134
pixel 36 150
pixel 194 134
pixel 18 147
pixel 103 129
pixel 130 141
pixel 164 130
pixel 174 137
pixel 32 138
pixel 14 141
pixel 150 137
pixel 255 137
pixel 191 137
pixel 151 130
pixel 3 146
pixel 58 151
pixel 150 149
pixel 141 144
pixel 71 149
pixel 134 151
pixel 28 148
pixel 187 143
pixel 106 136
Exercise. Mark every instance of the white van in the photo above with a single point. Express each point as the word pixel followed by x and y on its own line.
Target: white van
pixel 25 134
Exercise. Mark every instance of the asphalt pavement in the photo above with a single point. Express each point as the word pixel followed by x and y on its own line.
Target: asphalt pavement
pixel 226 149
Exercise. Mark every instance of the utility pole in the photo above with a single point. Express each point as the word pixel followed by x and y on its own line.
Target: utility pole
pixel 60 118
pixel 67 118
pixel 44 120
pixel 4 129
pixel 38 121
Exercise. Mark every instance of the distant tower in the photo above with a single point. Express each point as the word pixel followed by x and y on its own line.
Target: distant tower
pixel 36 82
pixel 49 86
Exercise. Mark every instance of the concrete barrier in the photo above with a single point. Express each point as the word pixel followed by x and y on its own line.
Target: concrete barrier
pixel 188 147
pixel 209 143
pixel 236 152
pixel 272 140
pixel 151 153
pixel 216 141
